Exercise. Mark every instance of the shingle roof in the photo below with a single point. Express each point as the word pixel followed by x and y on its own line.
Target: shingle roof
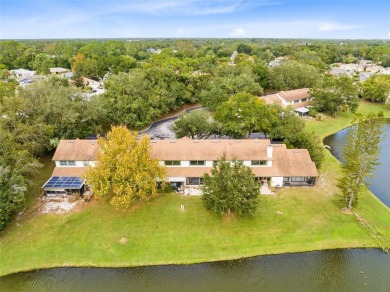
pixel 58 70
pixel 81 150
pixel 295 94
pixel 285 162
pixel 188 149
pixel 69 171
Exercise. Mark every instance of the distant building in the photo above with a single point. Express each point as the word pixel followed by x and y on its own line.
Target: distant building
pixel 298 99
pixel 277 61
pixel 63 72
pixel 22 73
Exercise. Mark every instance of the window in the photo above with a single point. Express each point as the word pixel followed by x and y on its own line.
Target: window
pixel 304 99
pixel 194 181
pixel 67 162
pixel 298 179
pixel 197 162
pixel 259 162
pixel 172 162
pixel 296 101
pixel 85 163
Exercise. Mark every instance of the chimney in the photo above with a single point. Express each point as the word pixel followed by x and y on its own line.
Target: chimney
pixel 269 150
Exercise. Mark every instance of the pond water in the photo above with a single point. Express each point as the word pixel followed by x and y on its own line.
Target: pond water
pixel 380 183
pixel 336 270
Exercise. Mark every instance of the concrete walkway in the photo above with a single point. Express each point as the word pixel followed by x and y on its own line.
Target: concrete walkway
pixel 265 190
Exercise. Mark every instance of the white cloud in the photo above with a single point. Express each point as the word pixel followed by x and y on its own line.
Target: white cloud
pixel 336 26
pixel 238 32
pixel 389 33
pixel 185 7
pixel 180 7
pixel 181 31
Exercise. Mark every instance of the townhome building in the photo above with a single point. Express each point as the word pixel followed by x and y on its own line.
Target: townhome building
pixel 187 160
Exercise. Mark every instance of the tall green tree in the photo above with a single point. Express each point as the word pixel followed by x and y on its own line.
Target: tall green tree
pixel 42 64
pixel 16 167
pixel 244 114
pixel 231 188
pixel 228 82
pixel 125 171
pixel 377 88
pixel 293 75
pixel 361 152
pixel 197 124
pixel 336 94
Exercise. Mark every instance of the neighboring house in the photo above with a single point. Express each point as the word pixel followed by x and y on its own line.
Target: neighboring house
pixel 154 51
pixel 26 81
pixel 277 61
pixel 63 72
pixel 187 160
pixel 25 77
pixel 22 73
pixel 365 69
pixel 298 99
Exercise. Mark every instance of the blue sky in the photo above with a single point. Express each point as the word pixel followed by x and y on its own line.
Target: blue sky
pixel 352 19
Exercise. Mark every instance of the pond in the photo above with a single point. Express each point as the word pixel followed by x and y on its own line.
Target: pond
pixel 336 270
pixel 380 183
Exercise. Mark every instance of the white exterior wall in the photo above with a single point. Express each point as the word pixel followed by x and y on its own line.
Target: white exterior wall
pixel 177 179
pixel 78 164
pixel 209 163
pixel 276 181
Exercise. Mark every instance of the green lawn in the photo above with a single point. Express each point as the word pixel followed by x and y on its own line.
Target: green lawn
pixel 159 233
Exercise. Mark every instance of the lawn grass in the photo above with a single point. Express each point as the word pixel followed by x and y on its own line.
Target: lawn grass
pixel 158 232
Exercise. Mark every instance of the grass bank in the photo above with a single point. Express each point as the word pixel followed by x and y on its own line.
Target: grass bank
pixel 158 232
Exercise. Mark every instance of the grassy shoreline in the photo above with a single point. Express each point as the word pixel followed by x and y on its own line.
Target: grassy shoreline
pixel 298 219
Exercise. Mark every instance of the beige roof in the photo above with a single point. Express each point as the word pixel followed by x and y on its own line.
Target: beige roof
pixel 58 70
pixel 295 94
pixel 271 99
pixel 188 149
pixel 82 150
pixel 69 171
pixel 287 162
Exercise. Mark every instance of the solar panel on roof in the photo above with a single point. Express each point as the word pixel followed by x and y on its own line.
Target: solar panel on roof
pixel 64 182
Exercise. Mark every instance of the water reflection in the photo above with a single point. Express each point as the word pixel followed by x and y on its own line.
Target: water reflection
pixel 380 183
pixel 336 270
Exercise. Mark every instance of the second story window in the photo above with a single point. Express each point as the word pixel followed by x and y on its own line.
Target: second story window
pixel 172 162
pixel 259 162
pixel 197 162
pixel 85 163
pixel 67 162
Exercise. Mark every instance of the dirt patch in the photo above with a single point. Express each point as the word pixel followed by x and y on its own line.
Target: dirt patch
pixel 229 217
pixel 123 240
pixel 61 207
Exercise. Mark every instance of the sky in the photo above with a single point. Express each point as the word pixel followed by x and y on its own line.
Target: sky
pixel 320 19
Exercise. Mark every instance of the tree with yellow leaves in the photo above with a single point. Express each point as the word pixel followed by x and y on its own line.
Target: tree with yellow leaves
pixel 125 171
